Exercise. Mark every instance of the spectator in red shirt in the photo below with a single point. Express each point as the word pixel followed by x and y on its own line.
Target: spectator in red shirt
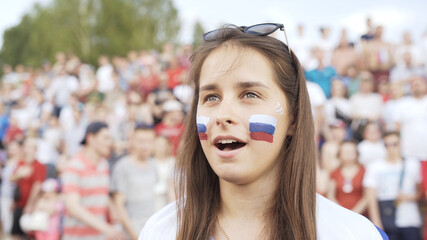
pixel 174 73
pixel 149 80
pixel 28 175
pixel 13 132
pixel 346 186
pixel 172 124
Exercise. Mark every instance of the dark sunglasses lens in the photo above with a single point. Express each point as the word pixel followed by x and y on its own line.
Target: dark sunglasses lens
pixel 261 29
pixel 212 35
pixel 217 34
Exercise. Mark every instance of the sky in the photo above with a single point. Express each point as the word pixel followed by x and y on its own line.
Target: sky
pixel 396 16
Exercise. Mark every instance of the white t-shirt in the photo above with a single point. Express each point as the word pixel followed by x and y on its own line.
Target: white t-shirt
pixel 301 47
pixel 184 93
pixel 412 116
pixel 366 105
pixel 22 116
pixel 389 114
pixel 413 49
pixel 46 153
pixel 342 104
pixel 333 223
pixel 106 82
pixel 385 178
pixel 370 152
pixel 61 88
pixel 316 95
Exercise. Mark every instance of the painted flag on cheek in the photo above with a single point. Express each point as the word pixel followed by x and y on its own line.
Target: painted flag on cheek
pixel 262 127
pixel 202 122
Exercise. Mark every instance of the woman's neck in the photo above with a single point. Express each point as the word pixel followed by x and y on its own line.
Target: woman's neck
pixel 247 200
pixel 245 207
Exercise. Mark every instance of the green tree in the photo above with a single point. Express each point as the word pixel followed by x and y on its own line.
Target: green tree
pixel 17 39
pixel 89 28
pixel 197 34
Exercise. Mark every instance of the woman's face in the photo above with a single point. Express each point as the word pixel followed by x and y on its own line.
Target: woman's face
pixel 242 114
pixel 348 153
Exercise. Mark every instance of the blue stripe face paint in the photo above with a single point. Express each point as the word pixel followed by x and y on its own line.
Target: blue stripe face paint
pixel 262 127
pixel 202 122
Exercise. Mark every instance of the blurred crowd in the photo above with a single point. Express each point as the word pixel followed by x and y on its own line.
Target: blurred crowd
pixel 369 103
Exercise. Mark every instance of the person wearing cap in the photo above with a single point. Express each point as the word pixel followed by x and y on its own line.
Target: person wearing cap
pixel 86 188
pixel 171 125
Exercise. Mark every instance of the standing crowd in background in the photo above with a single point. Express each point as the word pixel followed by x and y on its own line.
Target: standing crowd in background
pixel 88 153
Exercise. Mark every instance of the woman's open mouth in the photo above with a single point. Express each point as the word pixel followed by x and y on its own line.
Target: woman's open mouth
pixel 229 145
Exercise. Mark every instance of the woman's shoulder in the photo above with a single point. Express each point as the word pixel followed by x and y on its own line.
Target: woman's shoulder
pixel 162 225
pixel 336 222
pixel 333 222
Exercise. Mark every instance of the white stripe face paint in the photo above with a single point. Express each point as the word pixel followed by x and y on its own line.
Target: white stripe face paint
pixel 279 108
pixel 202 120
pixel 263 118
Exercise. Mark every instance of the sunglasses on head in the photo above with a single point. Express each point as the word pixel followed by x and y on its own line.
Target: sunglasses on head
pixel 262 29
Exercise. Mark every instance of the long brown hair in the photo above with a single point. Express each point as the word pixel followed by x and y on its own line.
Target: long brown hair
pixel 292 213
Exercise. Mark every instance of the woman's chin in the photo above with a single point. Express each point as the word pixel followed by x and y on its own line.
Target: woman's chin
pixel 233 177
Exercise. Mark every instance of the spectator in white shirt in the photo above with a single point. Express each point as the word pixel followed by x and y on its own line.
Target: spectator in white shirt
pixel 61 89
pixel 372 147
pixel 407 46
pixel 365 105
pixel 105 75
pixel 301 46
pixel 388 116
pixel 405 70
pixel 317 101
pixel 411 118
pixel 338 106
pixel 394 179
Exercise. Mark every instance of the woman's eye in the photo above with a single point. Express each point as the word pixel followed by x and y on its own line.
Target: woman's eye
pixel 211 98
pixel 250 95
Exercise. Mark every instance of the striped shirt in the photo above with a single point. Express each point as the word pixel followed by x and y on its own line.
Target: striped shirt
pixel 91 182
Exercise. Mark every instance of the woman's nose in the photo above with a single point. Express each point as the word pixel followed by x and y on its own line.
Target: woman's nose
pixel 225 114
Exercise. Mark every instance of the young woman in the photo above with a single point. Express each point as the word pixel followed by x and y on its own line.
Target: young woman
pixel 346 187
pixel 246 169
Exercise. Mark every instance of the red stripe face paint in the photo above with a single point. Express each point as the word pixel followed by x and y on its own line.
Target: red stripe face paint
pixel 202 122
pixel 262 127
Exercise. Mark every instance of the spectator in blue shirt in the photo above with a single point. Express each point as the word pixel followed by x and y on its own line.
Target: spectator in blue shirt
pixel 4 123
pixel 323 74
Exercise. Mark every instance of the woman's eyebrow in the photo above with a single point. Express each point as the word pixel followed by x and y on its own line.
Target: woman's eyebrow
pixel 241 85
pixel 244 85
pixel 209 87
